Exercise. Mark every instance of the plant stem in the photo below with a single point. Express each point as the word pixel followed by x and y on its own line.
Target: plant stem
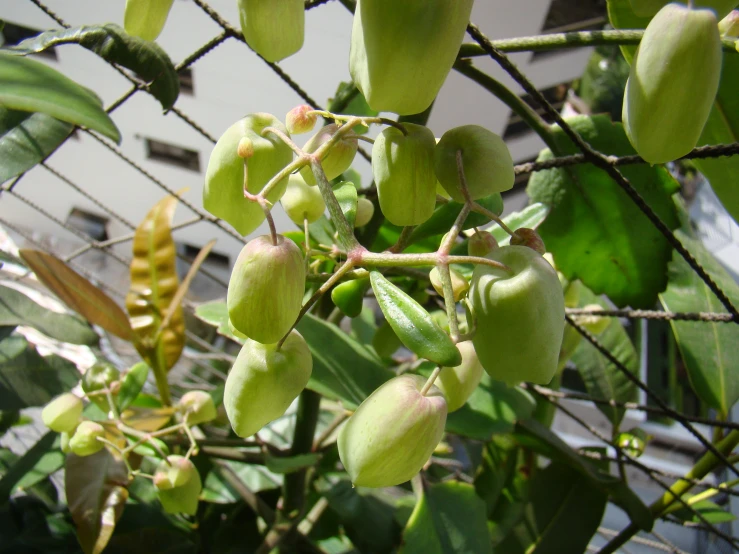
pixel 386 259
pixel 430 380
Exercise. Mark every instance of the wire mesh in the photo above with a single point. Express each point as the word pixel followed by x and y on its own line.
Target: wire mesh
pixel 609 164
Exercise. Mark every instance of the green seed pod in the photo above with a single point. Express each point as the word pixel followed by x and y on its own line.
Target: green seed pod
pixel 520 316
pixel 178 485
pixel 100 376
pixel 647 8
pixel 529 238
pixel 672 83
pixel 198 406
pixel 487 162
pixel 266 289
pixel 302 202
pixel 146 18
pixel 458 383
pixel 85 441
pixel 274 29
pixel 300 120
pixel 413 325
pixel 403 168
pixel 223 194
pixel 339 157
pixel 481 244
pixel 349 296
pixel 393 432
pixel 460 286
pixel 264 381
pixel 365 211
pixel 401 52
pixel 63 413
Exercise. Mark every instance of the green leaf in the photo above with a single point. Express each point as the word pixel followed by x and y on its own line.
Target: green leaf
pixel 602 378
pixel 32 86
pixel 147 59
pixel 595 231
pixel 346 194
pixel 449 517
pixel 132 384
pixel 290 464
pixel 710 511
pixel 28 379
pixel 38 462
pixel 26 139
pixel 258 478
pixel 707 348
pixel 444 216
pixel 18 309
pixel 216 314
pixel 530 217
pixel 347 370
pixel 96 496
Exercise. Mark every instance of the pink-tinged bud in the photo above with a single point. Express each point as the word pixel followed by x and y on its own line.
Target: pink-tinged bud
pixel 198 406
pixel 300 120
pixel 85 441
pixel 63 413
pixel 178 485
pixel 481 244
pixel 530 238
pixel 245 148
pixel 458 383
pixel 729 25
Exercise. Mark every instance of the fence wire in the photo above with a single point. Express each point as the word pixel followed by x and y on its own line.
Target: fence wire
pixel 607 163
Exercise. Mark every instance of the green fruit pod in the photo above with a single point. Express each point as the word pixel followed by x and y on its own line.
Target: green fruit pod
pixel 403 168
pixel 85 441
pixel 393 432
pixel 265 292
pixel 178 485
pixel 198 406
pixel 223 194
pixel 274 29
pixel 460 286
pixel 529 238
pixel 100 376
pixel 413 325
pixel 402 52
pixel 481 244
pixel 520 316
pixel 63 413
pixel 146 18
pixel 365 211
pixel 349 296
pixel 339 157
pixel 302 202
pixel 647 8
pixel 458 383
pixel 672 83
pixel 487 162
pixel 264 381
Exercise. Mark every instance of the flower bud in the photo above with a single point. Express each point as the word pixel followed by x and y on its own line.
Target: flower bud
pixel 274 29
pixel 85 441
pixel 245 149
pixel 302 202
pixel 459 283
pixel 198 406
pixel 481 244
pixel 393 432
pixel 337 160
pixel 266 289
pixel 530 238
pixel 365 211
pixel 729 25
pixel 178 485
pixel 458 383
pixel 299 120
pixel 63 413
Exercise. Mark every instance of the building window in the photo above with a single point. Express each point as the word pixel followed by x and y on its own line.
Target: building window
pixel 566 16
pixel 214 259
pixel 186 84
pixel 171 154
pixel 556 96
pixel 92 225
pixel 12 34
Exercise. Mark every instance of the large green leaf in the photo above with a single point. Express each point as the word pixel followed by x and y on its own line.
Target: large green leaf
pixel 38 462
pixel 343 369
pixel 449 517
pixel 26 139
pixel 444 216
pixel 595 231
pixel 602 378
pixel 257 478
pixel 28 379
pixel 147 59
pixel 530 217
pixel 709 349
pixel 18 309
pixel 711 512
pixel 32 86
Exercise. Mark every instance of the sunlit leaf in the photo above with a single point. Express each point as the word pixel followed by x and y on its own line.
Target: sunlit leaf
pixel 147 419
pixel 132 384
pixel 346 194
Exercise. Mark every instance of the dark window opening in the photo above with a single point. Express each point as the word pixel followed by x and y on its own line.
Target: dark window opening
pixel 92 225
pixel 12 34
pixel 566 16
pixel 171 154
pixel 556 96
pixel 186 83
pixel 213 259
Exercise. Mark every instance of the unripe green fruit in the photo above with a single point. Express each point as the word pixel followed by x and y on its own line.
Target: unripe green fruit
pixel 302 202
pixel 365 211
pixel 529 238
pixel 458 383
pixel 274 29
pixel 647 8
pixel 223 194
pixel 481 244
pixel 339 157
pixel 300 120
pixel 488 166
pixel 401 52
pixel 198 406
pixel 63 413
pixel 520 316
pixel 393 432
pixel 403 168
pixel 178 485
pixel 349 296
pixel 100 376
pixel 460 286
pixel 264 381
pixel 146 18
pixel 672 83
pixel 266 289
pixel 85 441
